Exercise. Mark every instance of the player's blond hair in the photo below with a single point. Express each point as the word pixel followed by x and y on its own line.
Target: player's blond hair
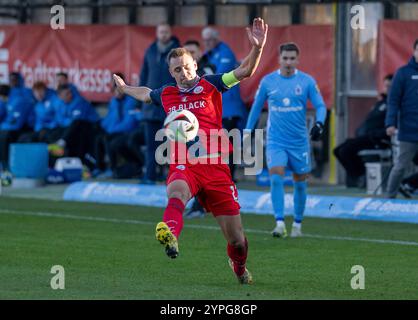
pixel 177 52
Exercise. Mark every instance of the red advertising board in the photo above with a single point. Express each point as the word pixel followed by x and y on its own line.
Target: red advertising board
pixel 91 53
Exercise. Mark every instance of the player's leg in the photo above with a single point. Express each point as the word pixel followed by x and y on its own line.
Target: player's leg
pixel 409 185
pixel 178 194
pixel 299 162
pixel 276 162
pixel 277 198
pixel 299 200
pixel 407 152
pixel 168 231
pixel 219 195
pixel 237 247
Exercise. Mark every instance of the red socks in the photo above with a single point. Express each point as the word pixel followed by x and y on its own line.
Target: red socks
pixel 173 215
pixel 239 256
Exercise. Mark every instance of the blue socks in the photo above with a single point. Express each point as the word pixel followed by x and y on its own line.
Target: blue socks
pixel 277 196
pixel 299 199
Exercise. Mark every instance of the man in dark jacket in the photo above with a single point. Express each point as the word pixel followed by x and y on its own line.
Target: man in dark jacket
pixel 154 74
pixel 234 112
pixel 370 135
pixel 203 64
pixel 403 115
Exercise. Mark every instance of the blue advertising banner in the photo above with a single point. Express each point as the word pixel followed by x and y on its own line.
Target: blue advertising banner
pixel 256 202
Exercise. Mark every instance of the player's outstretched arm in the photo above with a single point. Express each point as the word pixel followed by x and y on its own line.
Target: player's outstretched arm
pixel 139 93
pixel 257 36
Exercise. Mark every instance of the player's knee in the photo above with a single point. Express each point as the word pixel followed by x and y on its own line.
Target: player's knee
pixel 236 238
pixel 183 196
pixel 237 242
pixel 278 170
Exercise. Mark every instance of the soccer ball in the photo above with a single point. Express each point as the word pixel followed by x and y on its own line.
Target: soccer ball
pixel 6 178
pixel 181 126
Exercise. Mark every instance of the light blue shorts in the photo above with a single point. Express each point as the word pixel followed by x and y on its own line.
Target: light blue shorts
pixel 297 159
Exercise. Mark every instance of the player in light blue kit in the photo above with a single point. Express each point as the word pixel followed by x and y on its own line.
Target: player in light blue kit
pixel 287 91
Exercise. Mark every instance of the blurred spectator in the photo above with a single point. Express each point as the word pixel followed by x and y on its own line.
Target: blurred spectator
pixel 370 135
pixel 46 125
pixel 77 119
pixel 221 56
pixel 155 74
pixel 403 115
pixel 18 89
pixel 119 121
pixel 203 64
pixel 14 112
pixel 61 78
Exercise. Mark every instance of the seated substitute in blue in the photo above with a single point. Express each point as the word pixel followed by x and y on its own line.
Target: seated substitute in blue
pixel 71 108
pixel 78 126
pixel 14 113
pixel 61 78
pixel 17 112
pixel 45 111
pixel 18 89
pixel 121 115
pixel 44 115
pixel 120 121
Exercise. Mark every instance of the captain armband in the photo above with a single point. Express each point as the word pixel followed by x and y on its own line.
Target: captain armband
pixel 229 79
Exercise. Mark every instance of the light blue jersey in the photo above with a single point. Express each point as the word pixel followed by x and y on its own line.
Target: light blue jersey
pixel 287 102
pixel 287 134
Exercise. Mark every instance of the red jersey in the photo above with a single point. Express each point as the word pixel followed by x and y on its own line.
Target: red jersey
pixel 204 100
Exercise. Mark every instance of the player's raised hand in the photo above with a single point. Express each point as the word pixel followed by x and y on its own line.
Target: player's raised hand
pixel 120 84
pixel 258 33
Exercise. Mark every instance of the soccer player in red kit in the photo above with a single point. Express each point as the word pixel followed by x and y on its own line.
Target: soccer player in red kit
pixel 211 182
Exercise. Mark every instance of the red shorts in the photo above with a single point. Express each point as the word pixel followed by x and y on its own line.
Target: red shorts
pixel 211 183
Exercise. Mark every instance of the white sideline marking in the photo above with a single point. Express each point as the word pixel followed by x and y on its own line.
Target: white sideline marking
pixel 206 227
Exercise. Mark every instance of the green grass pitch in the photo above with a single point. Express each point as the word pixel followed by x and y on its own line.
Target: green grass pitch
pixel 110 252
